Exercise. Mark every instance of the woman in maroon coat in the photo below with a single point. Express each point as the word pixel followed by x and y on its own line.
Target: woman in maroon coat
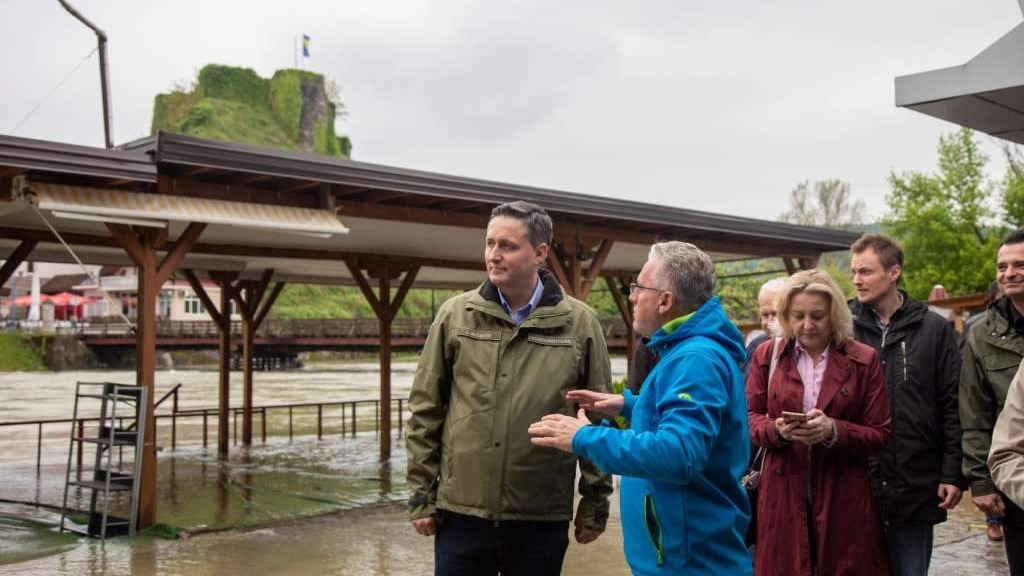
pixel 816 512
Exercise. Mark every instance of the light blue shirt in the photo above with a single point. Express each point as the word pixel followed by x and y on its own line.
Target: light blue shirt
pixel 519 315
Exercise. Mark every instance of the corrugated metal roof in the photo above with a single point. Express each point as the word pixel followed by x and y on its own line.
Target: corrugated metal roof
pixel 61 158
pixel 176 154
pixel 181 150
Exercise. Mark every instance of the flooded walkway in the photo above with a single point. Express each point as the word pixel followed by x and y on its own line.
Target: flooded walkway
pixel 377 540
pixel 299 507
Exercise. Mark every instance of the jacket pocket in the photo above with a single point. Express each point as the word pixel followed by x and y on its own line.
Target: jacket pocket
pixel 557 358
pixel 475 364
pixel 654 528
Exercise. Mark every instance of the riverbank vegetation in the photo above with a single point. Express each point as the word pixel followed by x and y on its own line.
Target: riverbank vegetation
pixel 18 355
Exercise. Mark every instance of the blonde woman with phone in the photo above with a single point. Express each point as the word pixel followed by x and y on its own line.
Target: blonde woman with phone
pixel 823 414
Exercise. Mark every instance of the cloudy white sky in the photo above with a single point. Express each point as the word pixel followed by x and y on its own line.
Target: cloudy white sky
pixel 719 106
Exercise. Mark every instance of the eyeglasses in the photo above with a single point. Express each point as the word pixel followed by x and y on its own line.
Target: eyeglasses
pixel 633 287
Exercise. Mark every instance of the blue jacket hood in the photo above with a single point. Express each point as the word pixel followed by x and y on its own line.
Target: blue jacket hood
pixel 710 322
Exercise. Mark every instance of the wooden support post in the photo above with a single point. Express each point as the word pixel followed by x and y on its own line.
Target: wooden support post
pixel 555 265
pixel 141 247
pixel 615 287
pixel 224 371
pixel 142 250
pixel 15 260
pixel 594 271
pixel 386 309
pixel 808 263
pixel 791 266
pixel 248 295
pixel 384 318
pixel 248 340
pixel 221 316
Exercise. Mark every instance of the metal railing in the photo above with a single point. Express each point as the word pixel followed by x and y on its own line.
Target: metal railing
pixel 348 414
pixel 614 327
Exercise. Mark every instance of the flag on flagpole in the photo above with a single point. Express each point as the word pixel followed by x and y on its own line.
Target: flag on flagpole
pixel 305 46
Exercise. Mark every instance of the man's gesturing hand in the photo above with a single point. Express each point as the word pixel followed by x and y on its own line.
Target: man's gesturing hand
pixel 557 430
pixel 607 404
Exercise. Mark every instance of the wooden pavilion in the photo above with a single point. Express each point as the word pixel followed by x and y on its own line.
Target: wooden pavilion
pixel 252 219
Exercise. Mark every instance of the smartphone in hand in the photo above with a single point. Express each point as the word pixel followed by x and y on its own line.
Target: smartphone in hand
pixel 791 417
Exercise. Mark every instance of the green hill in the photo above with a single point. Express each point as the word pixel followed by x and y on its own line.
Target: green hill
pixel 293 110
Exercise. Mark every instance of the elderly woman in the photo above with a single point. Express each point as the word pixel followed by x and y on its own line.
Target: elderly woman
pixel 822 414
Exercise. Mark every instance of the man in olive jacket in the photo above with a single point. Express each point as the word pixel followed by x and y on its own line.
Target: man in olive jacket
pixel 917 477
pixel 496 360
pixel 992 354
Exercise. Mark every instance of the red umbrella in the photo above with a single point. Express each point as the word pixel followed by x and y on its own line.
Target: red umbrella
pixel 69 299
pixel 26 300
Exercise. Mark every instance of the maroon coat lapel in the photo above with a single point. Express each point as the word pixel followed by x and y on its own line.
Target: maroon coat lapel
pixel 837 375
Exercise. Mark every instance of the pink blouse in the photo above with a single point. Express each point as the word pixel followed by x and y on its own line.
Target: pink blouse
pixel 811 375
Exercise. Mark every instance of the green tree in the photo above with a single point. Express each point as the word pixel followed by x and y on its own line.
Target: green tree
pixel 1013 187
pixel 948 233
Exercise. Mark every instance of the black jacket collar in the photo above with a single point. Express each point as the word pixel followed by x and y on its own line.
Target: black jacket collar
pixel 909 312
pixel 1005 308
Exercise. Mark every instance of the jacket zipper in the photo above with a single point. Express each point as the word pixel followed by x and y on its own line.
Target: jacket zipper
pixel 903 345
pixel 654 528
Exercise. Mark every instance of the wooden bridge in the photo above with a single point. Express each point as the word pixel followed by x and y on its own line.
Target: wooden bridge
pixel 294 335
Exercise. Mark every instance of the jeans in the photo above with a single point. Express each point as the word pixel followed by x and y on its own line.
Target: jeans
pixel 910 549
pixel 1013 537
pixel 471 546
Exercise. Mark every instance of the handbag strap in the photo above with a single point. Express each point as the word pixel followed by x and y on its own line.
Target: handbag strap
pixel 759 457
pixel 771 371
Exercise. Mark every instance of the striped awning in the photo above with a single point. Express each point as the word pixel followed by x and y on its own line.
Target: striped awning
pixel 109 205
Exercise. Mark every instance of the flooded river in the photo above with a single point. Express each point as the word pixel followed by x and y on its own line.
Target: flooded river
pixel 294 506
pixel 290 506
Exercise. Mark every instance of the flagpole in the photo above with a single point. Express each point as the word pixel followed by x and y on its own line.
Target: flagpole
pixel 295 51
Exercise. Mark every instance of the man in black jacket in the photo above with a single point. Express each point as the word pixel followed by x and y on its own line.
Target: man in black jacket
pixel 918 476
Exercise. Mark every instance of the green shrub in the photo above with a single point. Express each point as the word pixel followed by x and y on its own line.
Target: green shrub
pixel 236 84
pixel 18 354
pixel 286 98
pixel 170 109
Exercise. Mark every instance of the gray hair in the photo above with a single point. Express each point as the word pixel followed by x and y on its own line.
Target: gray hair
pixel 534 218
pixel 773 286
pixel 689 272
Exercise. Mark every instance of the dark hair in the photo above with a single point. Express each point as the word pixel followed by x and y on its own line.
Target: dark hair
pixel 1015 237
pixel 534 218
pixel 889 251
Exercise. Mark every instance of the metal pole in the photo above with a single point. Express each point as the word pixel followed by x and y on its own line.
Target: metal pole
pixel 81 434
pixel 101 37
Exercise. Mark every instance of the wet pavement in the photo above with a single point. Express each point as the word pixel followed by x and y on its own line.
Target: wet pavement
pixel 292 507
pixel 374 539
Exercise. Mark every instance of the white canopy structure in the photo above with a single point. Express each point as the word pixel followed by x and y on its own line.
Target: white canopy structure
pixel 985 94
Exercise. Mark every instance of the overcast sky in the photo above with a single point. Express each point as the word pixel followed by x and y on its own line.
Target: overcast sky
pixel 718 106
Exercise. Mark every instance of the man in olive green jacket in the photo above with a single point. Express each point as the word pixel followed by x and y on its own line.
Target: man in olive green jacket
pixel 496 360
pixel 993 350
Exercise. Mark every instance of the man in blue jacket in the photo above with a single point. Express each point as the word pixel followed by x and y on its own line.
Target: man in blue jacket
pixel 683 508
